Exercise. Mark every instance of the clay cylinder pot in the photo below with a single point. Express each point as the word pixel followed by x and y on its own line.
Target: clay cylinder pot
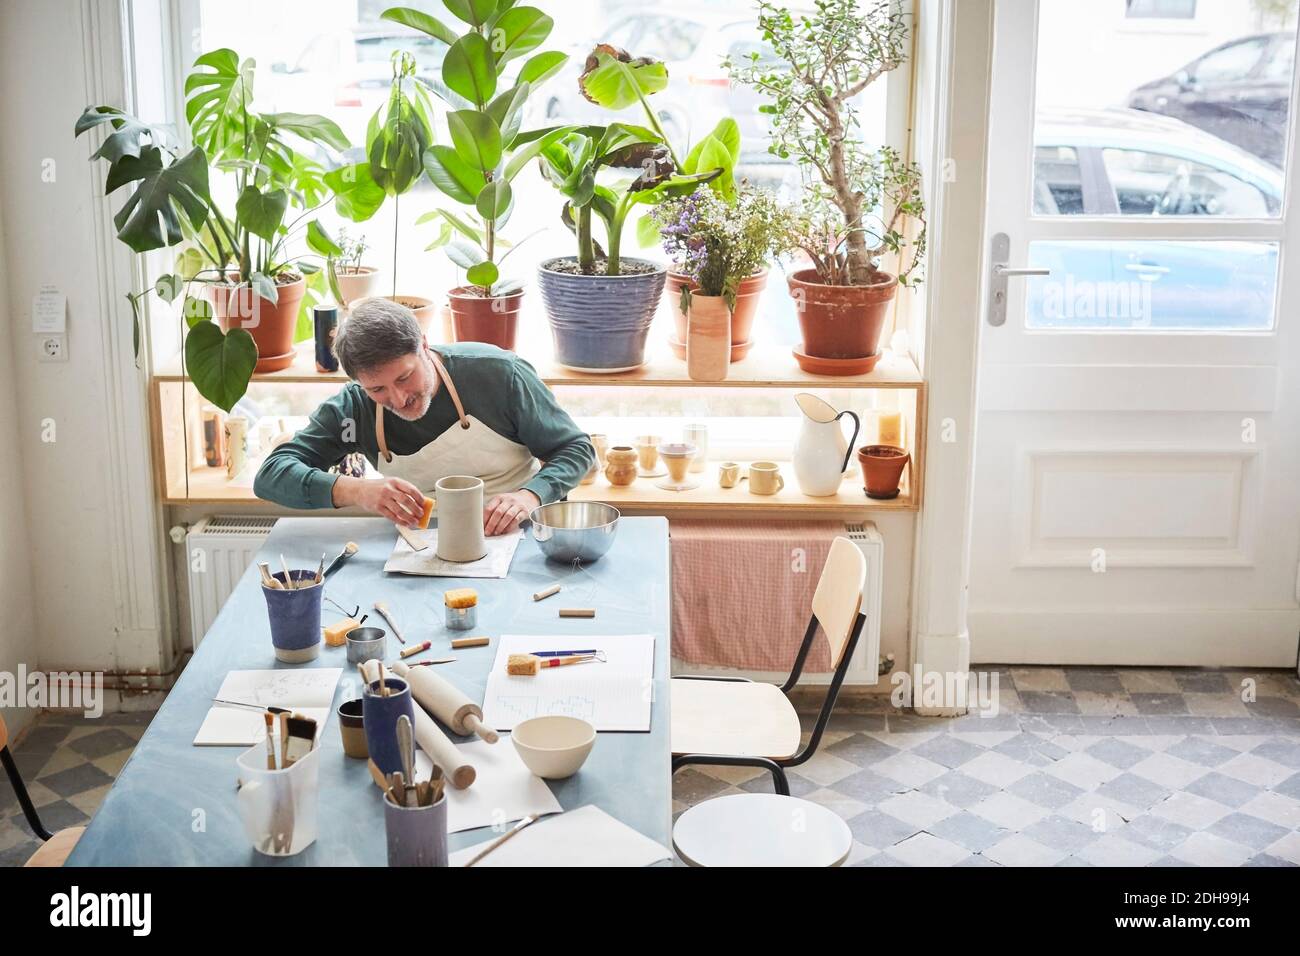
pixel 708 338
pixel 621 465
pixel 841 321
pixel 271 324
pixel 742 317
pixel 460 518
pixel 480 318
pixel 882 469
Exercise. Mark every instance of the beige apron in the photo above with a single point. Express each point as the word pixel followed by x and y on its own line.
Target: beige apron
pixel 467 448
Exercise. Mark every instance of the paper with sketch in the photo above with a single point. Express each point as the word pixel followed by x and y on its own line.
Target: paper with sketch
pixel 504 789
pixel 587 836
pixel 494 564
pixel 309 692
pixel 615 695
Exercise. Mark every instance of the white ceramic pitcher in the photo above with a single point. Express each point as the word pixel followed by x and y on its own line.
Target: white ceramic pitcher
pixel 821 453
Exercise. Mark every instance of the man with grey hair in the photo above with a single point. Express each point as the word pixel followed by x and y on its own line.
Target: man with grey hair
pixel 420 414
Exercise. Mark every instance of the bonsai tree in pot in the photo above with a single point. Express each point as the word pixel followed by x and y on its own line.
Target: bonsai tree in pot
pixel 485 84
pixel 717 247
pixel 858 202
pixel 254 285
pixel 600 303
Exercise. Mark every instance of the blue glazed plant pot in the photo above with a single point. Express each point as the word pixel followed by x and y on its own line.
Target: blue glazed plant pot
pixel 599 322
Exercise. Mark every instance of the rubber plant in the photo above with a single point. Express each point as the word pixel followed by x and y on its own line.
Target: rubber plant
pixel 172 205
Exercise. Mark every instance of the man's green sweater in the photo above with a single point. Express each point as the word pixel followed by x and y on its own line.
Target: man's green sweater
pixel 497 387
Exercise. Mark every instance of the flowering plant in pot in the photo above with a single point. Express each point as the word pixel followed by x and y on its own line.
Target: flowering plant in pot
pixel 599 302
pixel 719 250
pixel 488 73
pixel 255 286
pixel 858 202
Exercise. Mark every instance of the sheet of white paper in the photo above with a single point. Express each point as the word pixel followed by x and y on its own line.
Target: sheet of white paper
pixel 587 836
pixel 309 692
pixel 494 564
pixel 504 789
pixel 615 695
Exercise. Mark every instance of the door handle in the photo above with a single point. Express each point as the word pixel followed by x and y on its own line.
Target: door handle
pixel 999 250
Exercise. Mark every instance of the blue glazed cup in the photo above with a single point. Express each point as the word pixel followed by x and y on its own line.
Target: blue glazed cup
pixel 295 618
pixel 379 717
pixel 417 836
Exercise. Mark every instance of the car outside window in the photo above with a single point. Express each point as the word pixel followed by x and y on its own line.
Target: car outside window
pixel 1058 190
pixel 1150 183
pixel 1229 63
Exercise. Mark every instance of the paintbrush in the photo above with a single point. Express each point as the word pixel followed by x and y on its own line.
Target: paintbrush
pixel 502 839
pixel 270 742
pixel 349 549
pixel 301 739
pixel 288 578
pixel 320 569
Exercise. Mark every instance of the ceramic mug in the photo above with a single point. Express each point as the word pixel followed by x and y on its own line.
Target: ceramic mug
pixel 647 450
pixel 728 474
pixel 765 478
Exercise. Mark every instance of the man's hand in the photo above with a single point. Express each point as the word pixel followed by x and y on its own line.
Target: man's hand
pixel 504 512
pixel 397 500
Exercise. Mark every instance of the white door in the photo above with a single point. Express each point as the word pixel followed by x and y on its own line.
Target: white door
pixel 1137 463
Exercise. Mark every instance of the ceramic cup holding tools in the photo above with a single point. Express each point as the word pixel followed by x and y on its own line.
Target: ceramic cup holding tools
pixel 366 644
pixel 728 474
pixel 278 807
pixel 379 717
pixel 460 518
pixel 417 836
pixel 352 728
pixel 295 618
pixel 765 478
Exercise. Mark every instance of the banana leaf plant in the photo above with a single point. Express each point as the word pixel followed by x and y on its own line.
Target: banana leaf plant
pixel 486 96
pixel 173 205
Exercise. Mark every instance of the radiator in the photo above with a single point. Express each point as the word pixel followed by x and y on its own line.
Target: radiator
pixel 218 551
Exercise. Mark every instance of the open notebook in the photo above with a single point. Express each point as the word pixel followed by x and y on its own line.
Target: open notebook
pixel 309 692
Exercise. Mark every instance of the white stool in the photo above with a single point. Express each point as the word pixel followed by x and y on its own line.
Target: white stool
pixel 761 829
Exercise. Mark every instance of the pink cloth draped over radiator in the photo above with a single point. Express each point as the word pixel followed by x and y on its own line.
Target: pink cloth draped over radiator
pixel 742 591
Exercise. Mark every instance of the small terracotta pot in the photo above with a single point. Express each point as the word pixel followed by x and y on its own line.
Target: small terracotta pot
pixel 708 338
pixel 621 465
pixel 422 307
pixel 841 321
pixel 271 324
pixel 481 318
pixel 357 282
pixel 882 469
pixel 742 318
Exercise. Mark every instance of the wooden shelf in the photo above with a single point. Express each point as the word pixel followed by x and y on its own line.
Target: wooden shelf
pixel 764 367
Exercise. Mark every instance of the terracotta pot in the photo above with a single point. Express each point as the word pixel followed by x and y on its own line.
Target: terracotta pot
pixel 271 324
pixel 708 338
pixel 742 318
pixel 358 282
pixel 422 307
pixel 882 469
pixel 840 321
pixel 480 318
pixel 621 465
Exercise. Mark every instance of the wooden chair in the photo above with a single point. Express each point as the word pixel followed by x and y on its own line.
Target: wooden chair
pixel 57 846
pixel 736 722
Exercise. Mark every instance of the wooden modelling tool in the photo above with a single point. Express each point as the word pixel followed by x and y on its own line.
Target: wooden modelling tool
pixel 387 615
pixel 577 612
pixel 457 643
pixel 446 702
pixel 410 538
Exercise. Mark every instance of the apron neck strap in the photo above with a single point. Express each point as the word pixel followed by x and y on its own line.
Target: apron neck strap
pixel 442 373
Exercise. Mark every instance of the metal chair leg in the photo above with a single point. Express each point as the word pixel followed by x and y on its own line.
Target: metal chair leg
pixel 779 780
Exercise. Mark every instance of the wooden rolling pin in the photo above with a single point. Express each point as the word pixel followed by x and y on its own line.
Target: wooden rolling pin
pixel 445 702
pixel 431 738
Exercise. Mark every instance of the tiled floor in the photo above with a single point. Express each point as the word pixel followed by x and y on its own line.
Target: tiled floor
pixel 1082 766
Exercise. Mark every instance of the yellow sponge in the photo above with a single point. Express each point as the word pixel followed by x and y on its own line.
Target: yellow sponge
pixel 337 633
pixel 523 665
pixel 428 512
pixel 460 597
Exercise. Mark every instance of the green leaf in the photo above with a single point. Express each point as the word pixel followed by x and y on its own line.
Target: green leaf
pixel 451 174
pixel 493 201
pixel 221 364
pixel 476 138
pixel 463 226
pixel 647 232
pixel 517 32
pixel 169 286
pixel 507 287
pixel 470 69
pixel 129 135
pixel 320 241
pixel 188 263
pixel 484 274
pixel 264 286
pixel 135 326
pixel 473 12
pixel 525 154
pixel 261 212
pixel 356 194
pixel 613 79
pixel 418 20
pixel 541 67
pixel 313 128
pixel 727 132
pixel 218 98
pixel 150 218
pixel 715 156
pixel 507 111
pixel 465 254
pixel 196 310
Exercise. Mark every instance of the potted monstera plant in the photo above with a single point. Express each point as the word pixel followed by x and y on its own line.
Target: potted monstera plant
pixel 254 285
pixel 600 303
pixel 860 204
pixel 486 82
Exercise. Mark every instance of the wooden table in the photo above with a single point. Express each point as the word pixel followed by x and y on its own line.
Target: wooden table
pixel 173 804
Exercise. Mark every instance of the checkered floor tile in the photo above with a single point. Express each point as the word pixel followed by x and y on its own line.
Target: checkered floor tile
pixel 1082 766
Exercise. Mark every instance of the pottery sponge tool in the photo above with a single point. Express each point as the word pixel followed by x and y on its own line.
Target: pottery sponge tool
pixel 460 597
pixel 336 634
pixel 445 701
pixel 523 665
pixel 429 505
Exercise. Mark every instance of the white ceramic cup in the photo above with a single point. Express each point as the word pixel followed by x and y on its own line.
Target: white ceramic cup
pixel 460 518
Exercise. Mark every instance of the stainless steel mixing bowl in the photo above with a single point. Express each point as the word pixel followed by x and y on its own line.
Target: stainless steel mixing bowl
pixel 571 531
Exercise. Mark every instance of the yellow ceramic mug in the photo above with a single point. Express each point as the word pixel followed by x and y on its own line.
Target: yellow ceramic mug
pixel 765 478
pixel 728 474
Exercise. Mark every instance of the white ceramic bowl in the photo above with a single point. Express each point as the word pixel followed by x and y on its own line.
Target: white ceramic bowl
pixel 553 747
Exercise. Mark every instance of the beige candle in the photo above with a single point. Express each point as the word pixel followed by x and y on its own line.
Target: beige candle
pixel 889 428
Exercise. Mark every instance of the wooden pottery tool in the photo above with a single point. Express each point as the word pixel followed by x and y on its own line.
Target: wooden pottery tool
pixel 436 660
pixel 526 821
pixel 289 584
pixel 267 580
pixel 406 744
pixel 387 615
pixel 462 642
pixel 415 649
pixel 411 538
pixel 577 612
pixel 446 702
pixel 349 549
pixel 543 595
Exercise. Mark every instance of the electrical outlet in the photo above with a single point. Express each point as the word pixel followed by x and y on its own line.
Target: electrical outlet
pixel 52 348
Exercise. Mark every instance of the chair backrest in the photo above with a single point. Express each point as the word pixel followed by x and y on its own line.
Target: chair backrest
pixel 838 597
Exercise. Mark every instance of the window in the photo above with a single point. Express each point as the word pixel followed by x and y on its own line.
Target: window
pixel 1229 63
pixel 1058 189
pixel 1160 9
pixel 1151 183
